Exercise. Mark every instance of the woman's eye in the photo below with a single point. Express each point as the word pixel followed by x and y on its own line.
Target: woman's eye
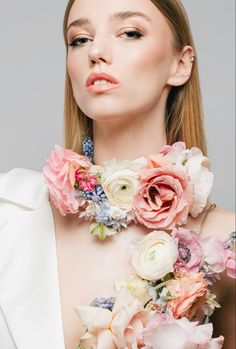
pixel 133 34
pixel 130 34
pixel 79 41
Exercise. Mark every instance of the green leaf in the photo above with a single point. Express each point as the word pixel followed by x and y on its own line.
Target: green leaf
pixel 98 229
pixel 102 234
pixel 93 228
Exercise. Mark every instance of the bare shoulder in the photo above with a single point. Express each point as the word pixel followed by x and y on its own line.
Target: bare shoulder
pixel 219 222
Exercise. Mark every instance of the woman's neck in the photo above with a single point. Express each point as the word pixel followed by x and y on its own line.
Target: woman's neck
pixel 128 138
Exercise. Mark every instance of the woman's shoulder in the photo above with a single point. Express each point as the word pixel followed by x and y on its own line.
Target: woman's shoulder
pixel 219 222
pixel 24 188
pixel 213 221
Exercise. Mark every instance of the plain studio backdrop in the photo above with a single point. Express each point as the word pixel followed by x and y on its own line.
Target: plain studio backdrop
pixel 32 70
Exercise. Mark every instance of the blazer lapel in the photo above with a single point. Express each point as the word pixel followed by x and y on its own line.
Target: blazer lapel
pixel 29 288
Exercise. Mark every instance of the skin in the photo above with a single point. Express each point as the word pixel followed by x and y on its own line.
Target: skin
pixel 146 67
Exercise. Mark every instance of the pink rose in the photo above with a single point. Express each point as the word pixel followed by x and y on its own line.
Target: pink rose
pixel 60 177
pixel 215 255
pixel 163 331
pixel 190 292
pixel 190 251
pixel 164 197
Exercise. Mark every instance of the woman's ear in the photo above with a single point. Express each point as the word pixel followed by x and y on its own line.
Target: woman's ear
pixel 183 67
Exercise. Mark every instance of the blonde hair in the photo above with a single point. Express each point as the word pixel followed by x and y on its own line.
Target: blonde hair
pixel 184 111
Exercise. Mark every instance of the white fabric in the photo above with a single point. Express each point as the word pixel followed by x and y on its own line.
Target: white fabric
pixel 30 309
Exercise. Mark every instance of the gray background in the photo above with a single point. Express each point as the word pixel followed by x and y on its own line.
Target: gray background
pixel 32 69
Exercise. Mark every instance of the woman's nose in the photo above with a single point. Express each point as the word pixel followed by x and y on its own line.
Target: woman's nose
pixel 99 51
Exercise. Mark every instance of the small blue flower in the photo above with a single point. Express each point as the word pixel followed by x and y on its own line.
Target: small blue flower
pixel 97 195
pixel 106 303
pixel 102 215
pixel 88 148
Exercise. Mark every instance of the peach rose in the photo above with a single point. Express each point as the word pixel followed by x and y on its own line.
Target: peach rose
pixel 60 178
pixel 120 328
pixel 164 196
pixel 190 292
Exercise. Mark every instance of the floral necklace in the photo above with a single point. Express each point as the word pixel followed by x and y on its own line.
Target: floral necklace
pixel 174 268
pixel 158 191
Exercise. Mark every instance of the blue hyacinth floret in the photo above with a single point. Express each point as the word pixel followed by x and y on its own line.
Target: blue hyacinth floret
pixel 97 195
pixel 106 303
pixel 88 148
pixel 102 215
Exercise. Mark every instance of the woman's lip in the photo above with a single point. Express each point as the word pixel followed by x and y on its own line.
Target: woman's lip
pixel 101 88
pixel 100 76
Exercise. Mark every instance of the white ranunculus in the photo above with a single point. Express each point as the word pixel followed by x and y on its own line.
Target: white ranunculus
pixel 154 256
pixel 135 285
pixel 117 213
pixel 201 177
pixel 120 182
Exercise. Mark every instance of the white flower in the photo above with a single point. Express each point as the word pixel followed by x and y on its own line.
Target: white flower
pixel 117 213
pixel 154 256
pixel 202 179
pixel 89 212
pixel 135 285
pixel 195 164
pixel 120 182
pixel 175 154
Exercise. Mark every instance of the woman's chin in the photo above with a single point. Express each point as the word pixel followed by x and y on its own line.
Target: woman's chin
pixel 106 115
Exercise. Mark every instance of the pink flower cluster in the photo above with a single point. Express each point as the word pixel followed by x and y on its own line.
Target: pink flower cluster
pixel 208 254
pixel 130 326
pixel 86 180
pixel 59 173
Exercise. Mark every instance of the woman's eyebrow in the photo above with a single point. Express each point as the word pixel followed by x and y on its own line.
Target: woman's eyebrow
pixel 116 16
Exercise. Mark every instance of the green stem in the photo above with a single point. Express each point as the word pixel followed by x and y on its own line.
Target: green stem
pixel 162 284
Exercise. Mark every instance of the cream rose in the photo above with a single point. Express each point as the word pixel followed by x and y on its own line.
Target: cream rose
pixel 154 256
pixel 135 285
pixel 120 182
pixel 202 179
pixel 196 165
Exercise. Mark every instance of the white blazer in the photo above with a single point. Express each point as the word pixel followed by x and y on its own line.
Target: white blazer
pixel 30 309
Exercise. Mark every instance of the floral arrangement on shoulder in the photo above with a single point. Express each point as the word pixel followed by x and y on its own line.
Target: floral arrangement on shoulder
pixel 174 268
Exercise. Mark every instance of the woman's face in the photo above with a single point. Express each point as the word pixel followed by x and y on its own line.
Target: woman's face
pixel 127 39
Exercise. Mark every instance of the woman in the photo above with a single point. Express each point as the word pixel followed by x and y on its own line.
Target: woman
pixel 132 85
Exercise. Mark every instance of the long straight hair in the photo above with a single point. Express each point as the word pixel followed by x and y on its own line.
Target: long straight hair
pixel 184 119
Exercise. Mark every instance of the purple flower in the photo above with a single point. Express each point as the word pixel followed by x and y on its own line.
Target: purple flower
pixel 190 251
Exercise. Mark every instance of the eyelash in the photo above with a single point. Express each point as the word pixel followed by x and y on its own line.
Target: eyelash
pixel 138 35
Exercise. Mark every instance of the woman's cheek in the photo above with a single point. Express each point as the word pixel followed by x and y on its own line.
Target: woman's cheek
pixel 71 67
